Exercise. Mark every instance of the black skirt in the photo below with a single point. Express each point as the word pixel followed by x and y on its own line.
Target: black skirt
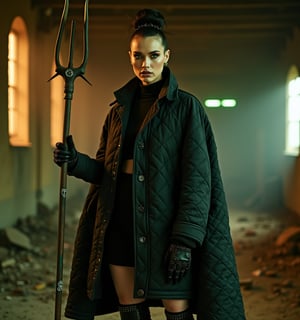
pixel 119 244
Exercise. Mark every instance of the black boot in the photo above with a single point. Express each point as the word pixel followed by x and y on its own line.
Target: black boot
pixel 138 311
pixel 184 315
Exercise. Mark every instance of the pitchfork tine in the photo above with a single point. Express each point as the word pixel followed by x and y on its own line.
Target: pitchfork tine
pixel 86 47
pixel 63 23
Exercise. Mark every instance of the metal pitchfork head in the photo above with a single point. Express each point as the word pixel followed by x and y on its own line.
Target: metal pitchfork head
pixel 70 73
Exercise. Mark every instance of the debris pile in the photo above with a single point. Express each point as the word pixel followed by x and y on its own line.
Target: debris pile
pixel 271 263
pixel 278 263
pixel 28 256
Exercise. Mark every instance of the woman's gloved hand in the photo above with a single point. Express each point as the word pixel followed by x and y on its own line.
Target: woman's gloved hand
pixel 65 153
pixel 178 259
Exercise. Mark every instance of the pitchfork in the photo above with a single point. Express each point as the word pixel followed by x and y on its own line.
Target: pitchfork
pixel 69 74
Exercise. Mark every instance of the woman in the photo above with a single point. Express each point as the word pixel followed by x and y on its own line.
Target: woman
pixel 154 229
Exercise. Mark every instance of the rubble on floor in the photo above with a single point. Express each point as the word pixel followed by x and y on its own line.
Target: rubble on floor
pixel 28 260
pixel 277 261
pixel 28 256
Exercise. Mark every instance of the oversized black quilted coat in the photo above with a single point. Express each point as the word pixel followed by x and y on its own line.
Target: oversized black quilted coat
pixel 177 193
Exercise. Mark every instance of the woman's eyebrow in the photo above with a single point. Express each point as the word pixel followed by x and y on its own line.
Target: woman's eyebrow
pixel 154 51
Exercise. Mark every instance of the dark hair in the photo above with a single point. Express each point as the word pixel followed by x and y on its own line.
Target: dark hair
pixel 150 22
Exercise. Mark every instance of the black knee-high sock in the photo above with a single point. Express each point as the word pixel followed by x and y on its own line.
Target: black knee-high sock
pixel 183 315
pixel 139 311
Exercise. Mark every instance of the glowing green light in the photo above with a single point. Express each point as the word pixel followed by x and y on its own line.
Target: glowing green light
pixel 228 103
pixel 212 103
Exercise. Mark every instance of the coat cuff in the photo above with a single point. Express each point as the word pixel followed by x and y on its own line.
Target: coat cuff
pixel 87 169
pixel 184 241
pixel 188 233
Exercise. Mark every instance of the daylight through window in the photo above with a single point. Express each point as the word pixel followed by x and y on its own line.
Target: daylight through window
pixel 293 113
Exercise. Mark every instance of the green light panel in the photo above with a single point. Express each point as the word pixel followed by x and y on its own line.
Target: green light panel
pixel 216 103
pixel 228 103
pixel 213 103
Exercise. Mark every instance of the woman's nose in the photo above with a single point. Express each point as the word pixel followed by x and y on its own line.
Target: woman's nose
pixel 146 62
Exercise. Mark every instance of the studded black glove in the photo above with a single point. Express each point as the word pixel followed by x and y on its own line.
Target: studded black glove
pixel 178 259
pixel 65 153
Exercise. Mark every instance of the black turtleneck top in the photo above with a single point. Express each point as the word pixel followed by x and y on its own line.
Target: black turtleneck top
pixel 145 97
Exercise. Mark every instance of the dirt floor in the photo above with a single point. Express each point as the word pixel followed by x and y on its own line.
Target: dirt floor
pixel 267 249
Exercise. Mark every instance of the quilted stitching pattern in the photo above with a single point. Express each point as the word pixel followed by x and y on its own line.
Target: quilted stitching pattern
pixel 185 157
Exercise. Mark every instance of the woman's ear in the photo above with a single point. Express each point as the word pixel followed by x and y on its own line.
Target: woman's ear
pixel 167 56
pixel 129 54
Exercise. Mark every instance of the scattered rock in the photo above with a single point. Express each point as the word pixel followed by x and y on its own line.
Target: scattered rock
pixel 295 262
pixel 10 262
pixel 246 283
pixel 40 286
pixel 257 273
pixel 28 256
pixel 250 233
pixel 291 233
pixel 287 283
pixel 12 236
pixel 271 273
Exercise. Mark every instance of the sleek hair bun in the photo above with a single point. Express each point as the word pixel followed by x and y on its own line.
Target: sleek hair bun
pixel 149 18
pixel 148 23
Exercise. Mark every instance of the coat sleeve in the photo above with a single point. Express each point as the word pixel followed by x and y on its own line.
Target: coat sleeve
pixel 91 169
pixel 195 190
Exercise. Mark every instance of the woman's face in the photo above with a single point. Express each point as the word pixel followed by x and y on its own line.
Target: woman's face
pixel 147 57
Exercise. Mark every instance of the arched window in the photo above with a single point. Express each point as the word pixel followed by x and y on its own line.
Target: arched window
pixel 292 144
pixel 56 108
pixel 18 86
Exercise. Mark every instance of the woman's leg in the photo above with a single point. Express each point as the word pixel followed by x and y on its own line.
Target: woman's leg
pixel 177 309
pixel 123 279
pixel 130 308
